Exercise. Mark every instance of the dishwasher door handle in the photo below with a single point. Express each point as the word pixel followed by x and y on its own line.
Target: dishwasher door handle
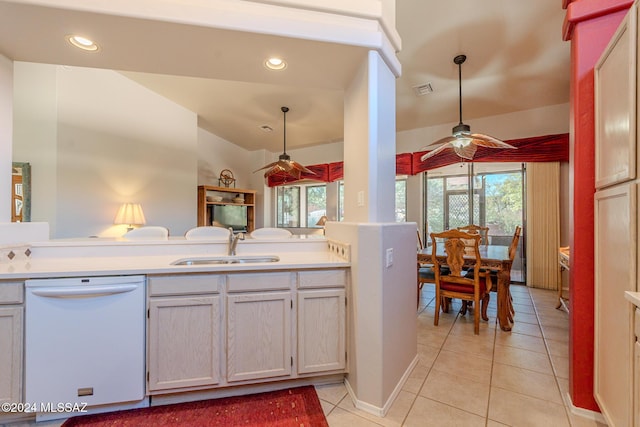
pixel 83 291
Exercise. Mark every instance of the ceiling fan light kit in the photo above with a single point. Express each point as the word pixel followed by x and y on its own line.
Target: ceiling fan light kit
pixel 463 142
pixel 284 163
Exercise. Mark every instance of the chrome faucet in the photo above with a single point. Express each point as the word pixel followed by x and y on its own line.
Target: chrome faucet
pixel 233 242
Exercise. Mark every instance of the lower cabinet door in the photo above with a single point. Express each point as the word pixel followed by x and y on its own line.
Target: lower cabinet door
pixel 321 330
pixel 258 335
pixel 184 342
pixel 11 343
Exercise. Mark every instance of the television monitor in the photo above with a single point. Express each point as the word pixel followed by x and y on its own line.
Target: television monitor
pixel 230 216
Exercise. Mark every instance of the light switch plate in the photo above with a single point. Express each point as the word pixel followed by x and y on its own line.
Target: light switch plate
pixel 389 257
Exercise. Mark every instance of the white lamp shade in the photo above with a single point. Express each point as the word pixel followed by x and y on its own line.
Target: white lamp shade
pixel 130 214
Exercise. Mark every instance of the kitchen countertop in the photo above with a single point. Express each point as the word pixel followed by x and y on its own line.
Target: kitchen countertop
pixel 109 257
pixel 159 264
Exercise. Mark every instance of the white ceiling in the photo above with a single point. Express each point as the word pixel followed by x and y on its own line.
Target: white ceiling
pixel 516 60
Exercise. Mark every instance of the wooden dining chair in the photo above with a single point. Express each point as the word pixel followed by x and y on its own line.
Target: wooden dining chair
pixel 426 273
pixel 485 274
pixel 455 284
pixel 513 249
pixel 476 229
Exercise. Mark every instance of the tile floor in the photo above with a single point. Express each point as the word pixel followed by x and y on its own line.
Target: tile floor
pixel 516 378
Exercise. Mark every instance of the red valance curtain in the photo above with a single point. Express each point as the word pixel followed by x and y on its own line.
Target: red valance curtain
pixel 336 171
pixel 404 164
pixel 548 148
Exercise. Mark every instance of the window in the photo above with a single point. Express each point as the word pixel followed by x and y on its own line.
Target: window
pixel 316 206
pixel 401 200
pixel 288 207
pixel 300 205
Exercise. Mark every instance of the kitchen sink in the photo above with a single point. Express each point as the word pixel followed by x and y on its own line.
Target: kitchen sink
pixel 226 260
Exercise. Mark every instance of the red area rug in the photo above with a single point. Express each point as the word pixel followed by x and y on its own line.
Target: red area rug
pixel 299 407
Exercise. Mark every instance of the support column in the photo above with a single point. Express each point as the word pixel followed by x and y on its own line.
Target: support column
pixel 370 143
pixel 589 24
pixel 382 318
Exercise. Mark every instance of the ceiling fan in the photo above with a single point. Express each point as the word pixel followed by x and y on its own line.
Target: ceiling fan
pixel 284 163
pixel 463 142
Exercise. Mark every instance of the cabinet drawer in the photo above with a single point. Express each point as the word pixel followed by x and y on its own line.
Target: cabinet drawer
pixel 259 281
pixel 184 284
pixel 637 322
pixel 322 279
pixel 11 292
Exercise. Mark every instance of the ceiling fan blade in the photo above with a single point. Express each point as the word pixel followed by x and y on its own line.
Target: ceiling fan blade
pixel 274 170
pixel 289 168
pixel 440 141
pixel 466 152
pixel 435 151
pixel 489 141
pixel 301 168
pixel 266 167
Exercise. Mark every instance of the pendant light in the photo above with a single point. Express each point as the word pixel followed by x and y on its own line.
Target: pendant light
pixel 284 163
pixel 463 142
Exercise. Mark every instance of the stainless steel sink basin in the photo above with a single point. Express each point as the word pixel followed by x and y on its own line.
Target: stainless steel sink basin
pixel 226 260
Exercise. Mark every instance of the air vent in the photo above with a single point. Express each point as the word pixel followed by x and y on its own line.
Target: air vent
pixel 424 89
pixel 266 128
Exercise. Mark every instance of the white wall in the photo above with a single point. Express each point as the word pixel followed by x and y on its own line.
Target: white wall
pixel 36 135
pixel 216 154
pixel 6 126
pixel 115 142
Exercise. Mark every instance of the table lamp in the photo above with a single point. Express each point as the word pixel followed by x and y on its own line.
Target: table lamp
pixel 130 214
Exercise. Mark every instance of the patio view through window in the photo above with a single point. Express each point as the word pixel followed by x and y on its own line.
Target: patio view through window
pixel 303 205
pixel 300 205
pixel 491 196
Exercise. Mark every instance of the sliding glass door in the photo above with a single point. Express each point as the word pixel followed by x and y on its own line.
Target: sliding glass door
pixel 486 194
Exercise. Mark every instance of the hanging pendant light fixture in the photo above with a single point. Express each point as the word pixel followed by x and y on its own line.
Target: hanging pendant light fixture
pixel 284 163
pixel 463 142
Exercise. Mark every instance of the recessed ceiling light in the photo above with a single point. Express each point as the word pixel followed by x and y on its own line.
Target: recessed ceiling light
pixel 82 43
pixel 275 63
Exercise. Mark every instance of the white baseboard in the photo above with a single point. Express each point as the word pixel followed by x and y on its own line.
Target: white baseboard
pixel 381 411
pixel 585 413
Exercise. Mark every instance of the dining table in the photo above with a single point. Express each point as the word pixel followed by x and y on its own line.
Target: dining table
pixel 492 257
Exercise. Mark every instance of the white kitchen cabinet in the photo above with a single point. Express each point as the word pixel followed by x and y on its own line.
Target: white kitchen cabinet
pixel 615 273
pixel 259 335
pixel 11 341
pixel 321 330
pixel 615 109
pixel 616 222
pixel 220 330
pixel 184 332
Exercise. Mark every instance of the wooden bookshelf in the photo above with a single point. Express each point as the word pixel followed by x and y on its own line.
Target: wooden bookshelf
pixel 227 194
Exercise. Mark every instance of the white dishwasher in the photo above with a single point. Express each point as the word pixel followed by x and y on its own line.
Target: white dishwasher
pixel 85 340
